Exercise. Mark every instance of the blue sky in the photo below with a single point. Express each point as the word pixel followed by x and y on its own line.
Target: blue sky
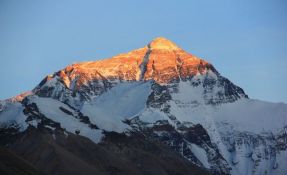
pixel 245 40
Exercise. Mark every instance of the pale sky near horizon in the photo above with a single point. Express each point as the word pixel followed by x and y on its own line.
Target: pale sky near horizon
pixel 245 40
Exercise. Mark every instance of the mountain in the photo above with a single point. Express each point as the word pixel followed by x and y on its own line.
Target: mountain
pixel 154 110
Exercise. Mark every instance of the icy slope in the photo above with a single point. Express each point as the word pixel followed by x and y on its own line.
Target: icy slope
pixel 247 132
pixel 11 114
pixel 66 116
pixel 117 105
pixel 253 115
pixel 244 114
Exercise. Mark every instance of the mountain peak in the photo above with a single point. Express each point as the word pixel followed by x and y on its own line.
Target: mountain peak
pixel 161 60
pixel 162 43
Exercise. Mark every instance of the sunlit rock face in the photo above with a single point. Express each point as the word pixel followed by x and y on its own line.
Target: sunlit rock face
pixel 160 60
pixel 168 62
pixel 20 97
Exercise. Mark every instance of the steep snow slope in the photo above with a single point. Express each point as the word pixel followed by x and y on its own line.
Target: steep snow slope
pixel 244 114
pixel 253 115
pixel 12 115
pixel 66 116
pixel 244 131
pixel 117 105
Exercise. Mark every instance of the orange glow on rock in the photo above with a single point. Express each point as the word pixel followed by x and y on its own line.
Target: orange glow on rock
pixel 165 62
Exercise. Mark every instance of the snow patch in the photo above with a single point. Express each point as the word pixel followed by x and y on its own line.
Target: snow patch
pixel 121 102
pixel 200 154
pixel 51 109
pixel 12 115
